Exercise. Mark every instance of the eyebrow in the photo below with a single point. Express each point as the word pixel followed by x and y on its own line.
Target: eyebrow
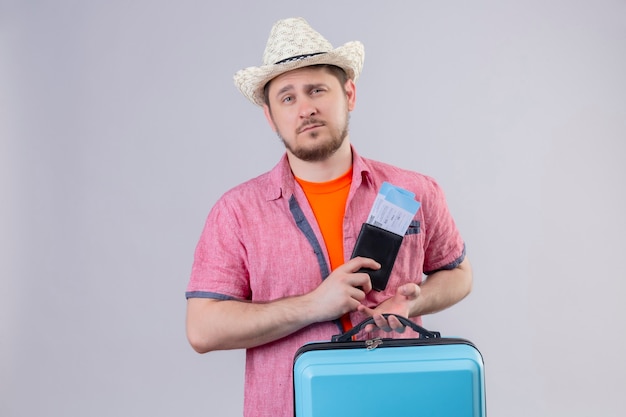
pixel 284 90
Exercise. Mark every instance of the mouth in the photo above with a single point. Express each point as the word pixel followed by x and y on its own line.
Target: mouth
pixel 309 126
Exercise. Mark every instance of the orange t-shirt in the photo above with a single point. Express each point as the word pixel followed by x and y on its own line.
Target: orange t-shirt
pixel 328 201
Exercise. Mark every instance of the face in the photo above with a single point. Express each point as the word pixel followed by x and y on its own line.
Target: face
pixel 309 110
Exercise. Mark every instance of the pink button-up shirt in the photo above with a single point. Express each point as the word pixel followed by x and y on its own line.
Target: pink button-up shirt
pixel 261 243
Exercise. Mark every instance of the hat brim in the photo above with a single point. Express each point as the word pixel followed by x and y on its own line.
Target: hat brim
pixel 252 80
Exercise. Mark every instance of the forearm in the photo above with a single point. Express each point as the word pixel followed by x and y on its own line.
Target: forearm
pixel 443 289
pixel 218 325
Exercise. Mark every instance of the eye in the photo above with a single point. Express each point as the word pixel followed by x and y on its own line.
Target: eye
pixel 287 99
pixel 317 91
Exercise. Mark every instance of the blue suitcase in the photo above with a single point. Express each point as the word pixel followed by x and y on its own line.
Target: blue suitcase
pixel 426 376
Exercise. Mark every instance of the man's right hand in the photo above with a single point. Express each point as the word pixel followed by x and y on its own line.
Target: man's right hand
pixel 342 291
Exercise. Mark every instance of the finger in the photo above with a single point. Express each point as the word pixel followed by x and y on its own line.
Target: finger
pixel 395 324
pixel 365 309
pixel 370 312
pixel 360 262
pixel 361 284
pixel 381 322
pixel 366 283
pixel 409 290
pixel 369 328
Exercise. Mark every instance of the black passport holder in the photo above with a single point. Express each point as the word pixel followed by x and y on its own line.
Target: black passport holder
pixel 380 245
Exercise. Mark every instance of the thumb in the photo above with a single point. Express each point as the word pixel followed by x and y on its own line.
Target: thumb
pixel 410 290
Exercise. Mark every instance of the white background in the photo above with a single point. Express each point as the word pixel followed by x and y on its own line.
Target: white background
pixel 120 127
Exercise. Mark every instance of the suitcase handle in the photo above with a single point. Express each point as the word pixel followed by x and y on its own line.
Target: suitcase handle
pixel 427 334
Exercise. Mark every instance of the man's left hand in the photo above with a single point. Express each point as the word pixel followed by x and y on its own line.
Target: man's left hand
pixel 401 304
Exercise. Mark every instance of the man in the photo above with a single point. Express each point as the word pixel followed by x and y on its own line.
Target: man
pixel 272 270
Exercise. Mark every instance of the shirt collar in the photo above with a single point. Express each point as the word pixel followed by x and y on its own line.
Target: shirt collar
pixel 282 181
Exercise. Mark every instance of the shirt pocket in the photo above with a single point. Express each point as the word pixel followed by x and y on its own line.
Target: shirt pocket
pixel 410 260
pixel 414 228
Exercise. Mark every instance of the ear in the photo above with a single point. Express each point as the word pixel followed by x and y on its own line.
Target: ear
pixel 350 88
pixel 268 116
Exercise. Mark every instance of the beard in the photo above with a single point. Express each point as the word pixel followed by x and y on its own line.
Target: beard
pixel 322 149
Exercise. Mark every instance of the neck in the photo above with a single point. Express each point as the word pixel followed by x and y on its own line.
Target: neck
pixel 321 171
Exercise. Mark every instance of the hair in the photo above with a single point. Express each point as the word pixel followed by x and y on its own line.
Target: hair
pixel 338 72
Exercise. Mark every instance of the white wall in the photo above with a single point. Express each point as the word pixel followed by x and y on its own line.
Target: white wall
pixel 120 127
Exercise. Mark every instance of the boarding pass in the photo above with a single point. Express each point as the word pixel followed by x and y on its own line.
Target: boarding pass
pixel 393 209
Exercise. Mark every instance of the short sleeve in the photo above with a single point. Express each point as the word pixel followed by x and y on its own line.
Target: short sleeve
pixel 219 266
pixel 444 247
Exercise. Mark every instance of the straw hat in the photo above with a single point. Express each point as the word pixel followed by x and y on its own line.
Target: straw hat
pixel 294 44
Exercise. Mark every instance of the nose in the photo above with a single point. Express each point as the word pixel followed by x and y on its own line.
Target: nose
pixel 307 109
